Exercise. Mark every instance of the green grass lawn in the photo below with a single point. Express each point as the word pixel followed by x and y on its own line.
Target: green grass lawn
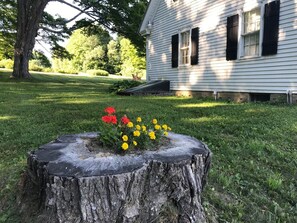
pixel 253 177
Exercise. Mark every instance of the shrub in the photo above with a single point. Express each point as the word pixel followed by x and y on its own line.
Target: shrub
pixel 63 66
pixel 97 72
pixel 43 60
pixel 35 65
pixel 123 85
pixel 47 69
pixel 6 63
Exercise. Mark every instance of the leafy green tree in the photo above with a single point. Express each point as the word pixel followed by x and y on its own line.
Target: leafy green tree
pixel 39 56
pixel 118 16
pixel 114 57
pixel 88 52
pixel 132 64
pixel 8 14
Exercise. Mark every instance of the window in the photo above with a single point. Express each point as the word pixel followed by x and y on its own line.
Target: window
pixel 251 32
pixel 256 37
pixel 185 47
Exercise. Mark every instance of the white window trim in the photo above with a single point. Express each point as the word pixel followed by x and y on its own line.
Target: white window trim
pixel 241 12
pixel 179 47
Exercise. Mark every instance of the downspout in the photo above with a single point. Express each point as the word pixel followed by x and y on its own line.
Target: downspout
pixel 215 93
pixel 288 96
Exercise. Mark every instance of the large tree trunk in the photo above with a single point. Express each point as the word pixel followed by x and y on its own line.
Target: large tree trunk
pixel 29 17
pixel 68 183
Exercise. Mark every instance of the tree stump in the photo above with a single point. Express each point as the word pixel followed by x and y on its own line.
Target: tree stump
pixel 66 182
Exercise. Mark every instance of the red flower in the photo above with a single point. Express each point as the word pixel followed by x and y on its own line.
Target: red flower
pixel 110 110
pixel 109 119
pixel 106 119
pixel 125 120
pixel 113 119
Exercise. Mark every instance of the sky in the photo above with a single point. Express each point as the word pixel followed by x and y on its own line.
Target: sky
pixel 63 10
pixel 56 8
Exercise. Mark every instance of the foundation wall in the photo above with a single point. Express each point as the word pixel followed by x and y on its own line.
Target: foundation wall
pixel 235 96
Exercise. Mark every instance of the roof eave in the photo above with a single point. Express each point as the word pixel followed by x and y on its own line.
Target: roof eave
pixel 149 16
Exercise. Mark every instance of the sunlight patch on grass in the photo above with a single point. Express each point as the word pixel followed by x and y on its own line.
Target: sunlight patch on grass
pixel 7 117
pixel 201 105
pixel 76 101
pixel 255 110
pixel 204 119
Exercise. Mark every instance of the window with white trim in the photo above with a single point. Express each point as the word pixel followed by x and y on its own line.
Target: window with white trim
pixel 251 32
pixel 185 47
pixel 257 31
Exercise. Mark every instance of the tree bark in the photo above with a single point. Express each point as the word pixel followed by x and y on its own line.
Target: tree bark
pixel 67 184
pixel 28 19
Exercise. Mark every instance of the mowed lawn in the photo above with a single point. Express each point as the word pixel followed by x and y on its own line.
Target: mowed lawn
pixel 253 177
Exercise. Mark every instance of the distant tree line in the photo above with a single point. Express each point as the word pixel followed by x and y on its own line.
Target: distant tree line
pixel 99 51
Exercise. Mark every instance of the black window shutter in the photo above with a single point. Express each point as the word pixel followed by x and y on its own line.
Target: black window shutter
pixel 195 46
pixel 271 25
pixel 232 37
pixel 174 56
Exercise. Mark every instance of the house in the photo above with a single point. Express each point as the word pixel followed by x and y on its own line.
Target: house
pixel 238 49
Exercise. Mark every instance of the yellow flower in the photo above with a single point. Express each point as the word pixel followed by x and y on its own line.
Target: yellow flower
pixel 169 129
pixel 125 138
pixel 165 133
pixel 125 146
pixel 136 133
pixel 165 127
pixel 134 143
pixel 130 125
pixel 152 135
pixel 138 119
pixel 137 127
pixel 143 128
pixel 157 127
pixel 155 121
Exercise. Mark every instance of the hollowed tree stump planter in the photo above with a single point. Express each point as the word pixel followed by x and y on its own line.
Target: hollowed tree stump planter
pixel 71 184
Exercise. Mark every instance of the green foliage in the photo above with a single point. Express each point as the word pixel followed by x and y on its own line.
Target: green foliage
pixel 122 17
pixel 88 51
pixel 43 60
pixel 114 56
pixel 97 72
pixel 6 63
pixel 275 181
pixel 132 64
pixel 121 86
pixel 63 66
pixel 39 62
pixel 35 65
pixel 121 133
pixel 8 15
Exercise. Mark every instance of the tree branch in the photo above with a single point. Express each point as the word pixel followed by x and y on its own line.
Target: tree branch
pixel 51 30
pixel 82 11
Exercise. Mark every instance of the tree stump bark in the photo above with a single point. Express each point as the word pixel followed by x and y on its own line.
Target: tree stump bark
pixel 65 182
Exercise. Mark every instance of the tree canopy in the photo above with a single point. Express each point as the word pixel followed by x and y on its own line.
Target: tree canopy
pixel 122 17
pixel 8 14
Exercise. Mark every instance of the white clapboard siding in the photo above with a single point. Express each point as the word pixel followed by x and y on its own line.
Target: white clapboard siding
pixel 269 74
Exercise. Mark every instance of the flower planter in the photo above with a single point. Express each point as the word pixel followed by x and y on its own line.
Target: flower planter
pixel 71 184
